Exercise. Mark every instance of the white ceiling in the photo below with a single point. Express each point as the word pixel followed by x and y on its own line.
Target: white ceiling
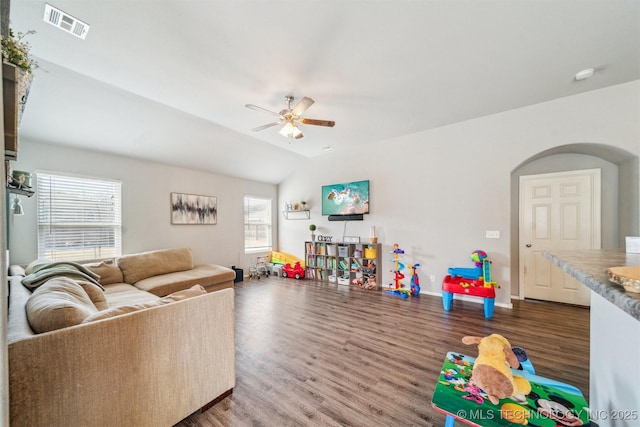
pixel 168 80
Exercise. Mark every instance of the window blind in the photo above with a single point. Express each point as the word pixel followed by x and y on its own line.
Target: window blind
pixel 78 218
pixel 257 224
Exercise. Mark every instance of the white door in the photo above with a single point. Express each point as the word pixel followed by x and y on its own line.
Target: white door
pixel 558 211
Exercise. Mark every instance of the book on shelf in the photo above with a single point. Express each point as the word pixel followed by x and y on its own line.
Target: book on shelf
pixel 311 273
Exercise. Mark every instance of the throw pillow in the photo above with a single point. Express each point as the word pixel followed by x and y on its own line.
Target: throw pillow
pixel 59 303
pixel 95 293
pixel 109 272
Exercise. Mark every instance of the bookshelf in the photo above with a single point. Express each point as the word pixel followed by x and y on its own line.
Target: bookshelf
pixel 344 263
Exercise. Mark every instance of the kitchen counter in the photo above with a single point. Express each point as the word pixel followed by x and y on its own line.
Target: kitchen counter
pixel 589 267
pixel 614 334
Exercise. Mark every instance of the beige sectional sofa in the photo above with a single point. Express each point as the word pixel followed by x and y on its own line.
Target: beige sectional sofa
pixel 148 344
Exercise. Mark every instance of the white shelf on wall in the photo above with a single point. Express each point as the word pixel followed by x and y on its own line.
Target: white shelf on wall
pixel 297 214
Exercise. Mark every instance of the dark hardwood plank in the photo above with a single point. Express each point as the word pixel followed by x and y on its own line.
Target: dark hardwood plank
pixel 318 354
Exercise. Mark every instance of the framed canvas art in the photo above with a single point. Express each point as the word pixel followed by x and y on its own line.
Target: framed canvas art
pixel 193 209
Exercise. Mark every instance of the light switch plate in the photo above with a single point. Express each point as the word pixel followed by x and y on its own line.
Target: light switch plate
pixel 493 234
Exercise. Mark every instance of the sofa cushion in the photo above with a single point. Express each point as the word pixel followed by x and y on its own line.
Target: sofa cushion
pixel 120 294
pixel 193 291
pixel 16 270
pixel 206 275
pixel 117 311
pixel 109 272
pixel 136 267
pixel 59 303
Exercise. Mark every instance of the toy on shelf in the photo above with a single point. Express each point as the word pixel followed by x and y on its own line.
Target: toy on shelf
pixel 296 271
pixel 474 281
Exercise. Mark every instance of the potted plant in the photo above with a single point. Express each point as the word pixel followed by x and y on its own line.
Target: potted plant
pixel 304 205
pixel 15 53
pixel 312 227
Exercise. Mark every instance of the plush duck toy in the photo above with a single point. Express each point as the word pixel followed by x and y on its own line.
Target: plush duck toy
pixel 492 369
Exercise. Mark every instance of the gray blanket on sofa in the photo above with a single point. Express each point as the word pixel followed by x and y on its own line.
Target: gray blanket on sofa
pixel 43 272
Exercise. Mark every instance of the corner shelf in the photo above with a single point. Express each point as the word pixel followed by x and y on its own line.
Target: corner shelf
pixel 20 191
pixel 299 214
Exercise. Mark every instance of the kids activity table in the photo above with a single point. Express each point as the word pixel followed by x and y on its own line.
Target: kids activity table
pixel 550 403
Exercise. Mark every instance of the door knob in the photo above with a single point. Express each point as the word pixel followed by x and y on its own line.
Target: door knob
pixel 528 245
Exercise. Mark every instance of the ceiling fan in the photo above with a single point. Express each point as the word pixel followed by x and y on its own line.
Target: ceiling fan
pixel 290 117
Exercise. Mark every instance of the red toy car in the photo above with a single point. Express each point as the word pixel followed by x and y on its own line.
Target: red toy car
pixel 296 271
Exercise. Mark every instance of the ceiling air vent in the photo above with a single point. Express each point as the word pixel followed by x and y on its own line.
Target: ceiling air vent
pixel 65 22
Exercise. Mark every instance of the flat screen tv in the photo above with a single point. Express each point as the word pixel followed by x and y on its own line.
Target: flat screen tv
pixel 345 199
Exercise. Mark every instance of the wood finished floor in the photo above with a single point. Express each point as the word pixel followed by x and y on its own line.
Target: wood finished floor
pixel 317 354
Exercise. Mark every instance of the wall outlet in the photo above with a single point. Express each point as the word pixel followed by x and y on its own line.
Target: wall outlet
pixel 432 277
pixel 493 234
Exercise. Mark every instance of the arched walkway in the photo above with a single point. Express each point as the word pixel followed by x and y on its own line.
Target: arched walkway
pixel 620 191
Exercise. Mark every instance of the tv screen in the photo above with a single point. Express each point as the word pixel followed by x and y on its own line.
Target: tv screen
pixel 345 199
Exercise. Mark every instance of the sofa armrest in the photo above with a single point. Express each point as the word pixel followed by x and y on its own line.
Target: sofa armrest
pixel 147 368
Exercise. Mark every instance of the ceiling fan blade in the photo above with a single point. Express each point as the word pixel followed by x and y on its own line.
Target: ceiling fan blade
pixel 328 123
pixel 255 107
pixel 268 125
pixel 298 136
pixel 302 106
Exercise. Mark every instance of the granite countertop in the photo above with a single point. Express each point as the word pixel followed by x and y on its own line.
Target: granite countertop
pixel 590 268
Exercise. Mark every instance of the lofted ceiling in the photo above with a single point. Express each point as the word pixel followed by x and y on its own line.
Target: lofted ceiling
pixel 168 80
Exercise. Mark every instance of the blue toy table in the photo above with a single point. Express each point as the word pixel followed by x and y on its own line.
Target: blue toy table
pixel 458 285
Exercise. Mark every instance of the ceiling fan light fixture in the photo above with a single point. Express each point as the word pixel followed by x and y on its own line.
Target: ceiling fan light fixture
pixel 290 117
pixel 290 130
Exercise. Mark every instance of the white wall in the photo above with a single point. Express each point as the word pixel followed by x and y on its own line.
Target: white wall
pixel 435 193
pixel 145 204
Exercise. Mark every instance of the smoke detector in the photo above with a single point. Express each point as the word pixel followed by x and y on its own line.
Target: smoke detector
pixel 584 74
pixel 65 22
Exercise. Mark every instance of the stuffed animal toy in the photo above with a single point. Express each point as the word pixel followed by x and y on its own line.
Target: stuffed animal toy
pixel 492 369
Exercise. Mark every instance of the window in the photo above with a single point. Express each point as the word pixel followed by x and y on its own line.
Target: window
pixel 78 218
pixel 257 224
